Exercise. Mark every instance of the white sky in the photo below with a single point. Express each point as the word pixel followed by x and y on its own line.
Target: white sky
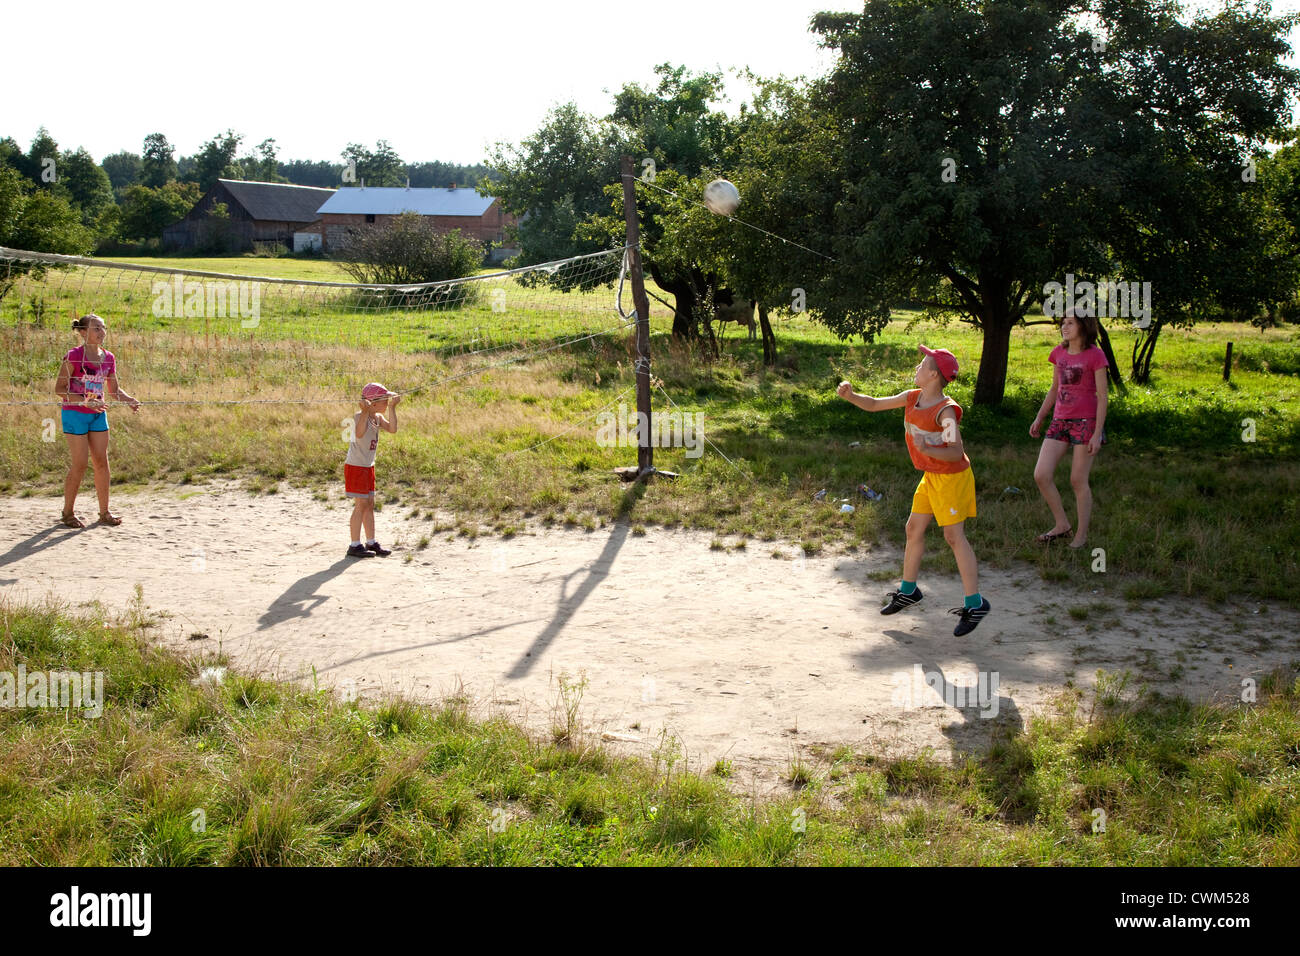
pixel 437 83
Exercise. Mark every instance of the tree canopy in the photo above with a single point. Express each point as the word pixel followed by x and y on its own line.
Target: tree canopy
pixel 987 148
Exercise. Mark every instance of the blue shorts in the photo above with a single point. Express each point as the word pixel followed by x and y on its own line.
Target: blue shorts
pixel 78 423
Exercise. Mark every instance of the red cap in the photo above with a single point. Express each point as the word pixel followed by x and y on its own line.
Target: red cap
pixel 946 361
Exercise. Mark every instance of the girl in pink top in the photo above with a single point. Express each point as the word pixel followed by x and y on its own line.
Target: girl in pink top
pixel 87 379
pixel 1077 401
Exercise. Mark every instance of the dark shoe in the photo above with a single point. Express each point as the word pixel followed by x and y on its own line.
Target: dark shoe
pixel 378 549
pixel 358 551
pixel 898 600
pixel 970 617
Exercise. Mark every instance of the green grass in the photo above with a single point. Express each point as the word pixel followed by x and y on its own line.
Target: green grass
pixel 1184 506
pixel 246 771
pixel 320 270
pixel 281 267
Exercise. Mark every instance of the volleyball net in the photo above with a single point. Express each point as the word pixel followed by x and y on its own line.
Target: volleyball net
pixel 181 336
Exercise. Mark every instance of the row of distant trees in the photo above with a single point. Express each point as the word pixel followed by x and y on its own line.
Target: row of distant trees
pixel 62 200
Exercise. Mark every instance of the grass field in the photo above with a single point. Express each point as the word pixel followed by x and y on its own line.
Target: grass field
pixel 233 769
pixel 320 270
pixel 288 775
pixel 1183 504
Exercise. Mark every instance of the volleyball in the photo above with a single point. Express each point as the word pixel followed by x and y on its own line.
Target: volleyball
pixel 721 197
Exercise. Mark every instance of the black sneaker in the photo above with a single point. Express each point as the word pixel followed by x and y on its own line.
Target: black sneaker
pixel 378 549
pixel 970 617
pixel 898 600
pixel 358 551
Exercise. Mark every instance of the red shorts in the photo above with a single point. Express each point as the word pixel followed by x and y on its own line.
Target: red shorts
pixel 359 482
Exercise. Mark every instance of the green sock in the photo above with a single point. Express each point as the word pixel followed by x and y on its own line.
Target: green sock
pixel 907 587
pixel 974 600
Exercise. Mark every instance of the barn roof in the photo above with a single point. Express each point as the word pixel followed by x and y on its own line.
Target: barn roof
pixel 392 200
pixel 277 201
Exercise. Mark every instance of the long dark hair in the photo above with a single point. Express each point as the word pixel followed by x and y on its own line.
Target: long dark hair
pixel 1088 324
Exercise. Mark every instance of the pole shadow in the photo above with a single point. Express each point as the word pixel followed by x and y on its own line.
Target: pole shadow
pixel 567 606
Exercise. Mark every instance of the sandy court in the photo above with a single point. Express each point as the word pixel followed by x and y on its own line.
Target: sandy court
pixel 738 654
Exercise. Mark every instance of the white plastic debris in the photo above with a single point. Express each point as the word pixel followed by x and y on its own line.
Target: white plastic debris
pixel 210 677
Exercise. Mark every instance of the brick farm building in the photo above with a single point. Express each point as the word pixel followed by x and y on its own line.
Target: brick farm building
pixel 462 208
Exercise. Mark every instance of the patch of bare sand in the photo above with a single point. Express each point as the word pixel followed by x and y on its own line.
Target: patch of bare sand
pixel 739 655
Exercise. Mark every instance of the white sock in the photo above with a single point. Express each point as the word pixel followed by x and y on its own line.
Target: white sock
pixel 372 541
pixel 356 544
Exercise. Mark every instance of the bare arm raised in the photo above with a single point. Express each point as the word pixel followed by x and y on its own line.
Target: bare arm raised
pixel 869 404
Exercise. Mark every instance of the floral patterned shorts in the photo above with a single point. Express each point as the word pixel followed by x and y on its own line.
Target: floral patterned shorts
pixel 1077 431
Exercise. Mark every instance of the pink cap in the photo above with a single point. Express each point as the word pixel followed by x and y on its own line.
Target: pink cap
pixel 373 391
pixel 946 361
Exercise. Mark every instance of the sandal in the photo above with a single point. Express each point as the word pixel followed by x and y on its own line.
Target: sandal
pixel 70 520
pixel 107 517
pixel 1049 536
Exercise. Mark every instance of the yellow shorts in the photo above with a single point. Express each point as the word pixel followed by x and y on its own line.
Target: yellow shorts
pixel 950 498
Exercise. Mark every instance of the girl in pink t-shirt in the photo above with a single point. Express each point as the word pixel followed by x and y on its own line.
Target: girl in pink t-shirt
pixel 87 379
pixel 1077 401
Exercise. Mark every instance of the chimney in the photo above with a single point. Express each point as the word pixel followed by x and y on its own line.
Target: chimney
pixel 363 182
pixel 408 184
pixel 453 187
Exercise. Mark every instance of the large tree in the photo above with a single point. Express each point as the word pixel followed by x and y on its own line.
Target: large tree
pixel 38 219
pixel 678 126
pixel 383 167
pixel 146 212
pixel 554 180
pixel 157 165
pixel 42 159
pixel 566 179
pixel 87 184
pixel 1279 179
pixel 262 165
pixel 216 160
pixel 987 147
pixel 123 170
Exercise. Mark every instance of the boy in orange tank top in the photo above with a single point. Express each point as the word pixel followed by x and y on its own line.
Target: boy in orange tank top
pixel 947 487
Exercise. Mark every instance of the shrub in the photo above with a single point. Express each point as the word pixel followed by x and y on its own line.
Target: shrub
pixel 409 250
